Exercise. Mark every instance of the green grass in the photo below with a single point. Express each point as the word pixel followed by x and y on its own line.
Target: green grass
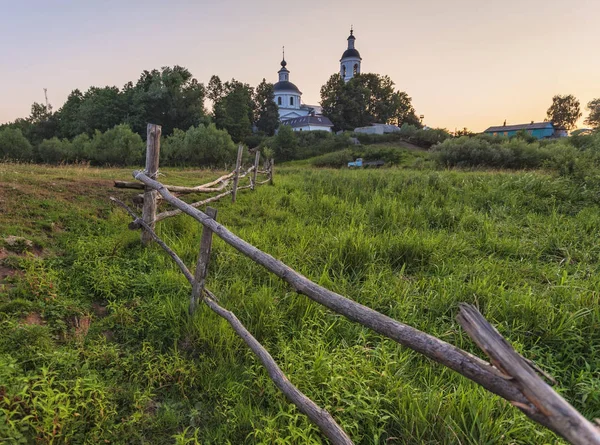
pixel 97 347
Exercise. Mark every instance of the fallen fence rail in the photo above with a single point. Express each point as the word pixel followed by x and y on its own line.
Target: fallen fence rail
pixel 509 375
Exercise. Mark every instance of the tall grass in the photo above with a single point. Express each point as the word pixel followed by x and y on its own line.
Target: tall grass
pixel 411 244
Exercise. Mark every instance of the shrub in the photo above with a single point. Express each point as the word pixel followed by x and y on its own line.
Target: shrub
pixel 479 151
pixel 204 146
pixel 285 144
pixel 54 151
pixel 335 159
pixel 13 145
pixel 117 146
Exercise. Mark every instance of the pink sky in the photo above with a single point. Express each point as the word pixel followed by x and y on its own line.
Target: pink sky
pixel 465 63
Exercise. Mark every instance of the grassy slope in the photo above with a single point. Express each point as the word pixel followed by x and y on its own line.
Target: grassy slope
pixel 106 351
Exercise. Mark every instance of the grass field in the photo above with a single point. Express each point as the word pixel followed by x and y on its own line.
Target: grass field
pixel 97 346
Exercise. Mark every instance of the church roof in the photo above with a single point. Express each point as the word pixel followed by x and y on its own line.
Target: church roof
pixel 284 85
pixel 351 53
pixel 321 121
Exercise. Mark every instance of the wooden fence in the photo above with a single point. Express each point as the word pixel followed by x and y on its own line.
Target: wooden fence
pixel 150 198
pixel 509 375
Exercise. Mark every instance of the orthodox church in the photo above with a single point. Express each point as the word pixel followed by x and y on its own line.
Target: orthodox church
pixel 288 97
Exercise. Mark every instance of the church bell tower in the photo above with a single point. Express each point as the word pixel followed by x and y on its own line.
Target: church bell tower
pixel 350 61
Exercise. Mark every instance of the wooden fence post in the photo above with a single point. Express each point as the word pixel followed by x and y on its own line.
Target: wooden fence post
pixel 153 133
pixel 271 171
pixel 256 161
pixel 236 178
pixel 202 264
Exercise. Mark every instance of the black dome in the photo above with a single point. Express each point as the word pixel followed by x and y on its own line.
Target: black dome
pixel 284 85
pixel 351 53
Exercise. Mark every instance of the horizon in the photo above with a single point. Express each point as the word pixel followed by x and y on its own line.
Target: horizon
pixel 467 65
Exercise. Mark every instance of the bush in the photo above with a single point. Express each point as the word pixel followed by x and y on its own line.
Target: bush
pixel 54 151
pixel 202 146
pixel 13 145
pixel 285 144
pixel 336 159
pixel 117 146
pixel 478 151
pixel 575 158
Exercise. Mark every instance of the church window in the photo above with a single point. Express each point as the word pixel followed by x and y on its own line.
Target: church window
pixel 344 71
pixel 291 101
pixel 355 68
pixel 279 100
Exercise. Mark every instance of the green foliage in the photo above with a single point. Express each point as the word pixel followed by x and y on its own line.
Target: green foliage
pixel 363 100
pixel 267 114
pixel 233 107
pixel 202 146
pixel 285 143
pixel 593 118
pixel 117 146
pixel 577 157
pixel 564 111
pixel 170 97
pixel 13 145
pixel 336 159
pixel 477 151
pixel 54 151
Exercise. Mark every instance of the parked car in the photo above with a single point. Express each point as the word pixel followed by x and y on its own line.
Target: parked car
pixel 360 163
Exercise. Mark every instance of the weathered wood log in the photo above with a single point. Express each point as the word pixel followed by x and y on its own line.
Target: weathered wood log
pixel 438 350
pixel 174 212
pixel 202 264
pixel 317 415
pixel 153 133
pixel 204 188
pixel 271 171
pixel 256 161
pixel 564 419
pixel 236 178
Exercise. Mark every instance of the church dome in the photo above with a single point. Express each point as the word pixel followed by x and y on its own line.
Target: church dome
pixel 351 53
pixel 284 85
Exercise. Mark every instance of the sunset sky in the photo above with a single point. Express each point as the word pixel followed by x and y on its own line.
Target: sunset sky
pixel 465 63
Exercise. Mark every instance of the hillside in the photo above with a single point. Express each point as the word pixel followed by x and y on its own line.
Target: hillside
pixel 98 346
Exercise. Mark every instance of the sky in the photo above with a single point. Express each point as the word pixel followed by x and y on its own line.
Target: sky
pixel 465 63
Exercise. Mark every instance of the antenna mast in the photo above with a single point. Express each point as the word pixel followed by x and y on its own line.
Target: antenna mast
pixel 46 96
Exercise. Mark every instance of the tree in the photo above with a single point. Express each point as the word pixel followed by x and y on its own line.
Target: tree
pixel 68 115
pixel 267 114
pixel 171 97
pixel 564 111
pixel 233 108
pixel 215 88
pixel 404 112
pixel 13 145
pixel 593 118
pixel 99 109
pixel 365 99
pixel 285 143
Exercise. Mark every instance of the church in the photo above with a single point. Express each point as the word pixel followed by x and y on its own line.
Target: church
pixel 288 97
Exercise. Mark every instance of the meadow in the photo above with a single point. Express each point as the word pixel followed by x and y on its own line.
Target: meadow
pixel 97 346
